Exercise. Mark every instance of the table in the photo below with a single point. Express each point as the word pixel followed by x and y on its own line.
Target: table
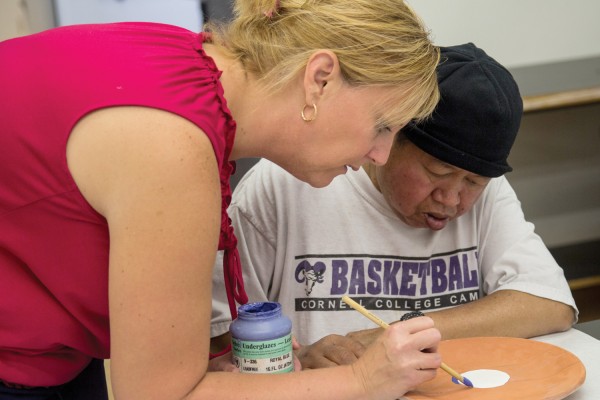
pixel 587 349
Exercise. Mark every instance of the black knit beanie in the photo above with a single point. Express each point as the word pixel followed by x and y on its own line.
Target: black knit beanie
pixel 477 119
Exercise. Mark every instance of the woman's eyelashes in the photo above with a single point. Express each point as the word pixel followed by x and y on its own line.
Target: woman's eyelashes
pixel 383 129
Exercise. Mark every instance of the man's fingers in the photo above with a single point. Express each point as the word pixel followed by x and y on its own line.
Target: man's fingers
pixel 330 351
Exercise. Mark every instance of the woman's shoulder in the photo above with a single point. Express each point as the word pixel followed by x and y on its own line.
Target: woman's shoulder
pixel 135 146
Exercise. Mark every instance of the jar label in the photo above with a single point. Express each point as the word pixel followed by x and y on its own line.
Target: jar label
pixel 264 356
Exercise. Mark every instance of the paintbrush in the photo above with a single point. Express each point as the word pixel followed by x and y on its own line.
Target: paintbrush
pixel 385 325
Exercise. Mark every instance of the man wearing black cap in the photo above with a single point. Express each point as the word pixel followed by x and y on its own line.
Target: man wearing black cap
pixel 437 230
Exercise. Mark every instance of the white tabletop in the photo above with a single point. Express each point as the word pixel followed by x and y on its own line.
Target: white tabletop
pixel 587 349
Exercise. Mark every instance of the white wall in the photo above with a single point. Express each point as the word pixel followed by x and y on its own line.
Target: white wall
pixel 185 13
pixel 517 32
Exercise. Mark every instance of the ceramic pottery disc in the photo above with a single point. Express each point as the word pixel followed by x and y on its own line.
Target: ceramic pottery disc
pixel 537 370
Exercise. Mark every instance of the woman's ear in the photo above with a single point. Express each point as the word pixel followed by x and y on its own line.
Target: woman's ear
pixel 322 69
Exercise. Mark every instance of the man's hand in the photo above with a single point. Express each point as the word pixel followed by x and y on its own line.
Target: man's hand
pixel 335 350
pixel 366 336
pixel 222 363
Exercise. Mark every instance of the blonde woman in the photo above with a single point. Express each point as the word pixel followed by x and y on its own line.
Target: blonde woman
pixel 117 143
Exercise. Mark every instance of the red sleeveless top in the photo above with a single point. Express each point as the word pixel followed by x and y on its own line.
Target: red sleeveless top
pixel 53 245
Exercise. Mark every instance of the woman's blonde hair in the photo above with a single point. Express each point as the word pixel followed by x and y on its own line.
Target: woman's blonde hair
pixel 377 42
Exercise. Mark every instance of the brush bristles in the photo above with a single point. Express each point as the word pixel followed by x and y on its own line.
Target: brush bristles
pixel 467 382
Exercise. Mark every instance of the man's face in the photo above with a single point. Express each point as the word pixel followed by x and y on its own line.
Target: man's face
pixel 423 191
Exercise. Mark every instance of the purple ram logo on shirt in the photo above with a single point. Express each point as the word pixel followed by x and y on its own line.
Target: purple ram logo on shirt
pixel 310 274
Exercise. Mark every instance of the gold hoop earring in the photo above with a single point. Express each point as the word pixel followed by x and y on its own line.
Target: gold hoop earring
pixel 314 115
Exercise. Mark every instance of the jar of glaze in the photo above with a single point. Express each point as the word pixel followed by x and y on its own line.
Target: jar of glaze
pixel 261 339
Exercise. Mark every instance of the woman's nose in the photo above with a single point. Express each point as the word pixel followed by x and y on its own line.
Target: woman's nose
pixel 381 152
